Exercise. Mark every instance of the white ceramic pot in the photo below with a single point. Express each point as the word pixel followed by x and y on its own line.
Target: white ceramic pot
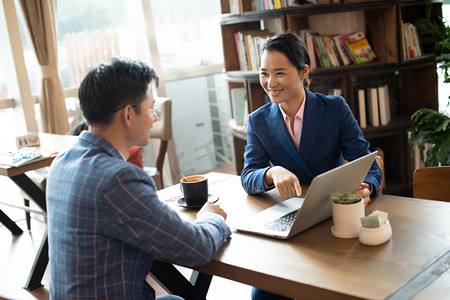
pixel 347 219
pixel 375 236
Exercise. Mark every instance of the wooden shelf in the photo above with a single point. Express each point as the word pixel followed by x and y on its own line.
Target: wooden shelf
pixel 412 83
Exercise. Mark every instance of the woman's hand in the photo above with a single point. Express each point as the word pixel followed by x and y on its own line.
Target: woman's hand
pixel 364 191
pixel 285 182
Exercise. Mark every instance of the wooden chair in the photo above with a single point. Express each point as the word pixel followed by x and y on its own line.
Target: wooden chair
pixel 432 183
pixel 161 130
pixel 380 164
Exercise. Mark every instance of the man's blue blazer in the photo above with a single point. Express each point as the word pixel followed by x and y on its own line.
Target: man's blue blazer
pixel 330 133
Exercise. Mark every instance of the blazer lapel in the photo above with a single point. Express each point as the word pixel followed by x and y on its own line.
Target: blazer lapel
pixel 284 139
pixel 313 115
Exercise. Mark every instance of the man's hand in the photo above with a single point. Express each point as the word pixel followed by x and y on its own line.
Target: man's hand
pixel 210 207
pixel 285 182
pixel 364 191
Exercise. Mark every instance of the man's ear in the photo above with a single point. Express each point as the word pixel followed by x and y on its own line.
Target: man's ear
pixel 126 115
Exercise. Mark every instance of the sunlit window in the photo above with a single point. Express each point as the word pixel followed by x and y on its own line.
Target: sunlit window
pixel 3 83
pixel 90 32
pixel 188 35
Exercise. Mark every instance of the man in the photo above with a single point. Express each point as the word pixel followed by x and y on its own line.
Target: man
pixel 105 221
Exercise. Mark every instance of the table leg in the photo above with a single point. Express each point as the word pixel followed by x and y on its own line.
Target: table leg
pixel 201 283
pixel 177 284
pixel 39 265
pixel 31 189
pixel 5 220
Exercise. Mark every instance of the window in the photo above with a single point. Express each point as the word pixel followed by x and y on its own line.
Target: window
pixel 187 33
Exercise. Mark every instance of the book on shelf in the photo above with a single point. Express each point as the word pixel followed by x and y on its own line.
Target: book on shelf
pixel 335 92
pixel 372 106
pixel 321 51
pixel 277 4
pixel 301 2
pixel 341 50
pixel 330 51
pixel 239 103
pixel 410 41
pixel 234 6
pixel 362 108
pixel 306 36
pixel 336 53
pixel 384 106
pixel 248 46
pixel 336 50
pixel 358 47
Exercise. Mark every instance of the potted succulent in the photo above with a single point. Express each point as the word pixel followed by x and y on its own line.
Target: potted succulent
pixel 347 210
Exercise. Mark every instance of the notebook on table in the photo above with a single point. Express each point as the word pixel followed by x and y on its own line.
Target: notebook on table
pixel 295 215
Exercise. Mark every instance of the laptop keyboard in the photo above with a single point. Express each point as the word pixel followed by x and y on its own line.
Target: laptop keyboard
pixel 283 223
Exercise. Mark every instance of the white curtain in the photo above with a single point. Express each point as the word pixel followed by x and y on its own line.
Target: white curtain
pixel 40 17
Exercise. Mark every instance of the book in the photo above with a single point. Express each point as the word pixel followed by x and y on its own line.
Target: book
pixel 362 108
pixel 335 92
pixel 372 106
pixel 330 51
pixel 384 106
pixel 411 41
pixel 309 47
pixel 333 45
pixel 20 157
pixel 358 47
pixel 248 45
pixel 238 103
pixel 342 53
pixel 321 51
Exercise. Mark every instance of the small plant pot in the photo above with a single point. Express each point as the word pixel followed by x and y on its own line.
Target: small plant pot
pixel 375 236
pixel 347 219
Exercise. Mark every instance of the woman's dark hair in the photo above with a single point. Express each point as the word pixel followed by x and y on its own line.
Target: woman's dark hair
pixel 292 46
pixel 112 85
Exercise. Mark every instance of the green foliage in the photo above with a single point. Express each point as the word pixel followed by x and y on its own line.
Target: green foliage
pixel 345 198
pixel 432 127
pixel 434 36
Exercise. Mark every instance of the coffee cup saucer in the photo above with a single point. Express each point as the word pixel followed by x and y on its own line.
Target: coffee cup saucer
pixel 211 198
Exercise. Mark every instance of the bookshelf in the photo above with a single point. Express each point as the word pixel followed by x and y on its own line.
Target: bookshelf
pixel 411 82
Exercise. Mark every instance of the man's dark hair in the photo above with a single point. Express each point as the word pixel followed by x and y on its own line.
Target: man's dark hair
pixel 113 84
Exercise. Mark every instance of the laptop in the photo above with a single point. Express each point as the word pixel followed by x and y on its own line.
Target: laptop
pixel 295 215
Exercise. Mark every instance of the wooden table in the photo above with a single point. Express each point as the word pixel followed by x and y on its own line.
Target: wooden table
pixel 50 143
pixel 315 264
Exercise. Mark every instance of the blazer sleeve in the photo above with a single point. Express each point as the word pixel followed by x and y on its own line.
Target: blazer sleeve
pixel 256 162
pixel 354 145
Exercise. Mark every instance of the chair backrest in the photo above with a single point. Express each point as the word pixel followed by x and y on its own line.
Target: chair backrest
pixel 432 183
pixel 380 164
pixel 162 130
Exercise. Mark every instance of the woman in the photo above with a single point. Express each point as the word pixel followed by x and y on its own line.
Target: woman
pixel 300 134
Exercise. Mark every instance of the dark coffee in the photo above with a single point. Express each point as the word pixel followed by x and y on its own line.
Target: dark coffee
pixel 195 189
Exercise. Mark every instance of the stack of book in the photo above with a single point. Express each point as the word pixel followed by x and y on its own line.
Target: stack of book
pixel 276 4
pixel 248 47
pixel 239 105
pixel 337 50
pixel 374 106
pixel 411 42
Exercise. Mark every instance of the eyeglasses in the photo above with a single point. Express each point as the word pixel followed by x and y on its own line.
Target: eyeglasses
pixel 152 112
pixel 155 111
